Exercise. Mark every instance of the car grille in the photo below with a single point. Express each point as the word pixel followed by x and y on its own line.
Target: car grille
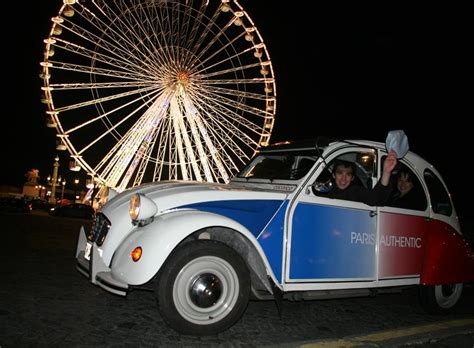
pixel 100 228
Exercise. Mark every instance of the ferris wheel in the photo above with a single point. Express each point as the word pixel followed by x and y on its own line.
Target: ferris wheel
pixel 148 90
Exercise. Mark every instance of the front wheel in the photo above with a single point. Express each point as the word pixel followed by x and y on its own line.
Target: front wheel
pixel 203 288
pixel 440 299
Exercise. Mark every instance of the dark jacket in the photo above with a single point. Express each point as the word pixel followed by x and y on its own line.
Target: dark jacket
pixel 378 196
pixel 411 200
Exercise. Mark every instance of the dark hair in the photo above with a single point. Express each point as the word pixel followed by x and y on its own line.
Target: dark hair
pixel 407 174
pixel 345 164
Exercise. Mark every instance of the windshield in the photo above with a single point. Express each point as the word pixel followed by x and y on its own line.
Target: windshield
pixel 288 165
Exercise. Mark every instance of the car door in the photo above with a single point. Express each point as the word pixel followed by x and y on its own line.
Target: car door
pixel 402 231
pixel 332 239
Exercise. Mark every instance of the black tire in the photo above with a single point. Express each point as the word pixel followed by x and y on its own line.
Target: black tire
pixel 196 288
pixel 440 299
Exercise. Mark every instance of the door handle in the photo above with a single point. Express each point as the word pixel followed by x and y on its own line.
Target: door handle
pixel 372 213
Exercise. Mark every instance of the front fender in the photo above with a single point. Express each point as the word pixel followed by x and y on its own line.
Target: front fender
pixel 159 238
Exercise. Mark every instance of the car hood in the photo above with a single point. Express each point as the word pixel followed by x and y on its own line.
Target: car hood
pixel 176 194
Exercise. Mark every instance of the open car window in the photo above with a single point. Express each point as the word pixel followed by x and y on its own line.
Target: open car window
pixel 414 198
pixel 364 170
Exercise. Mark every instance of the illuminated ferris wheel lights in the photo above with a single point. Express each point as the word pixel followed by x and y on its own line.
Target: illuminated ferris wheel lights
pixel 238 21
pixel 57 30
pixel 57 20
pixel 49 41
pixel 50 52
pixel 158 98
pixel 60 146
pixel 68 11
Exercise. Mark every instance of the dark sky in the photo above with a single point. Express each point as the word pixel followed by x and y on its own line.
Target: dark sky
pixel 347 72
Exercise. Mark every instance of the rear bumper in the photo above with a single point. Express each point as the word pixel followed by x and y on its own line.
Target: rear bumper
pixel 95 270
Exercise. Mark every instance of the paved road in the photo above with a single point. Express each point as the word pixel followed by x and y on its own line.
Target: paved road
pixel 46 302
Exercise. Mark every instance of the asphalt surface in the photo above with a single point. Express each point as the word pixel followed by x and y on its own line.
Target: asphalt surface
pixel 46 302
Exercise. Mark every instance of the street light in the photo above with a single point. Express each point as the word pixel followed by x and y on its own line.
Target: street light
pixel 54 181
pixel 62 190
pixel 76 182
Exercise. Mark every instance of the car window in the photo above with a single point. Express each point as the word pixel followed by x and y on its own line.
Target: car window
pixel 289 165
pixel 407 190
pixel 364 165
pixel 440 202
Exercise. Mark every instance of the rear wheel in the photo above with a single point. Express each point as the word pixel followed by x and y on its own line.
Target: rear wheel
pixel 203 288
pixel 440 299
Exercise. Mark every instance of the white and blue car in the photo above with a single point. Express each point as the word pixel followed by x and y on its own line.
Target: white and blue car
pixel 207 249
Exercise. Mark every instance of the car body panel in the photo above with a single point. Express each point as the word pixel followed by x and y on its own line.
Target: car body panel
pixel 330 242
pixel 402 244
pixel 161 237
pixel 448 258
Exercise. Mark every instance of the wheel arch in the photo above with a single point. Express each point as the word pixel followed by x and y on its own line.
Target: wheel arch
pixel 259 272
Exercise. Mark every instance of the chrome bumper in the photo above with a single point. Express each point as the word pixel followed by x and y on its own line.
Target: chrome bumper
pixel 95 269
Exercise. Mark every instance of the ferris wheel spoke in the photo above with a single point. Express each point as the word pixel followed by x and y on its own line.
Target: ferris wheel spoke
pixel 164 27
pixel 127 149
pixel 98 85
pixel 161 153
pixel 196 24
pixel 105 115
pixel 180 127
pixel 120 64
pixel 55 65
pixel 107 42
pixel 185 26
pixel 142 23
pixel 105 99
pixel 225 60
pixel 214 40
pixel 224 130
pixel 237 105
pixel 257 80
pixel 195 125
pixel 236 93
pixel 230 70
pixel 218 116
pixel 124 32
pixel 144 160
pixel 224 106
pixel 206 31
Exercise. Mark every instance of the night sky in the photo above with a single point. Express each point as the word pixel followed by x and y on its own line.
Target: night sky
pixel 346 72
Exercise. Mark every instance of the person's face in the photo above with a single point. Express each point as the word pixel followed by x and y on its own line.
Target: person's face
pixel 404 184
pixel 343 177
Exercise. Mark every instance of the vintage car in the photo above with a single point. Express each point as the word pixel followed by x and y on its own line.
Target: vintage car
pixel 206 249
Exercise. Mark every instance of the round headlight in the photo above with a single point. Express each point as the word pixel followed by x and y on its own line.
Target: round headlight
pixel 134 208
pixel 106 194
pixel 141 207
